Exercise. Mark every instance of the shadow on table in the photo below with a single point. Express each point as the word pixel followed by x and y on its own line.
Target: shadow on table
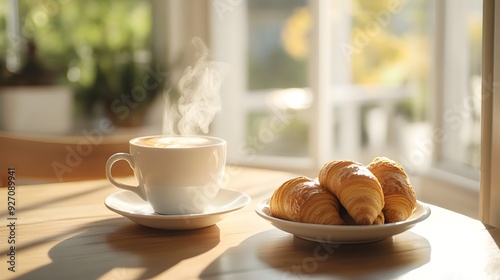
pixel 287 257
pixel 112 246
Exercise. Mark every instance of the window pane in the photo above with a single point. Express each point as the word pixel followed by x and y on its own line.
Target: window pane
pixel 390 43
pixel 278 137
pixel 382 99
pixel 3 34
pixel 277 44
pixel 384 62
pixel 277 73
pixel 463 106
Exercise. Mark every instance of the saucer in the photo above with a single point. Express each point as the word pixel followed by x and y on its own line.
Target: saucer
pixel 343 234
pixel 131 206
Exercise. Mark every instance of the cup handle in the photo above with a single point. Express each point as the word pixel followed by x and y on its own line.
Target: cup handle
pixel 139 190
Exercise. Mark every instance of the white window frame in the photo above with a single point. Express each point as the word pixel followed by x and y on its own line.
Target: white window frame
pixel 450 86
pixel 490 141
pixel 228 42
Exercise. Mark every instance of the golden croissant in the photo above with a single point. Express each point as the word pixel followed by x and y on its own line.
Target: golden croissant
pixel 400 198
pixel 302 200
pixel 348 220
pixel 357 189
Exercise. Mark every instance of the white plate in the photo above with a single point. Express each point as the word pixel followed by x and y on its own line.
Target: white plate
pixel 130 205
pixel 343 233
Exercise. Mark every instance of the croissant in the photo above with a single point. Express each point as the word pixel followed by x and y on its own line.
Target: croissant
pixel 399 195
pixel 357 189
pixel 348 220
pixel 302 200
pixel 380 220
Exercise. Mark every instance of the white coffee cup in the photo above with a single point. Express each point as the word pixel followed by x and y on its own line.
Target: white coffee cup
pixel 177 175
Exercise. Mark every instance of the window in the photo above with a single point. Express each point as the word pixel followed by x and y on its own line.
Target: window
pixel 459 119
pixel 350 79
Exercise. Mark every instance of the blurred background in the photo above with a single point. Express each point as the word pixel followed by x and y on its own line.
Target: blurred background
pixel 306 82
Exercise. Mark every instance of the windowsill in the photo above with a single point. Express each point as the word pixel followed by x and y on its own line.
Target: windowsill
pixel 449 191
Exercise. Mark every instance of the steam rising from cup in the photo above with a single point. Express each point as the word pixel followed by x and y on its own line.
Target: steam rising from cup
pixel 199 96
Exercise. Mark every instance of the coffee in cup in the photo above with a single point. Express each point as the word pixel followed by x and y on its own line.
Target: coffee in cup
pixel 177 174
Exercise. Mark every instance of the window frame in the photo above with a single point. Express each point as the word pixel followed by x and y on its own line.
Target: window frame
pixel 232 24
pixel 237 100
pixel 445 96
pixel 489 196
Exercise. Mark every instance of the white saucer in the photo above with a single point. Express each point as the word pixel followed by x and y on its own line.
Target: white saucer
pixel 343 233
pixel 131 206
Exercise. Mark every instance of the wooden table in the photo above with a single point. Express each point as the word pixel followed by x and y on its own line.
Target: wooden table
pixel 64 231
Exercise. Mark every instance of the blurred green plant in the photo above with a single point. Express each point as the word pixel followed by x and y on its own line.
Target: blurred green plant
pixel 3 36
pixel 396 51
pixel 102 47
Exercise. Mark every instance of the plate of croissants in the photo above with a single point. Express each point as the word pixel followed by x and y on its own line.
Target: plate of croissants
pixel 348 203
